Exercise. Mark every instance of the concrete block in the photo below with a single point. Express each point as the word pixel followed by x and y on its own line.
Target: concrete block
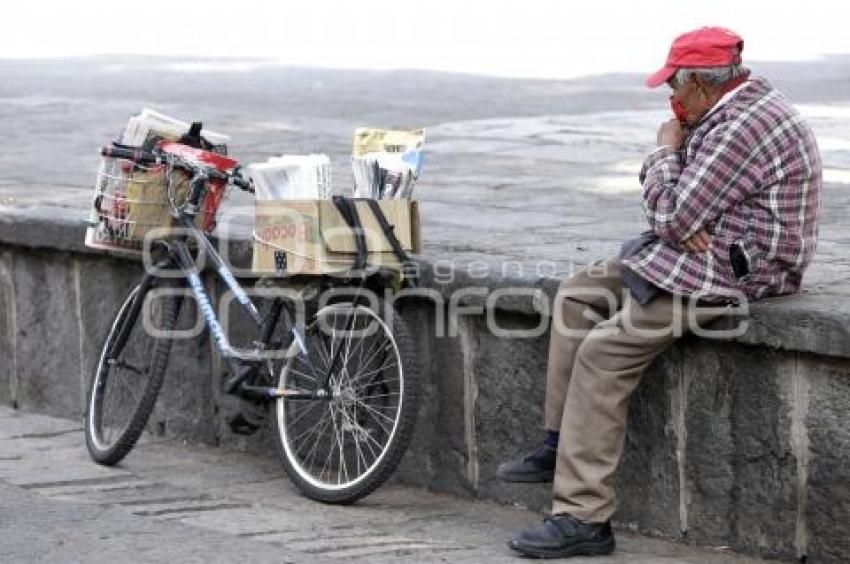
pixel 48 334
pixel 451 373
pixel 648 475
pixel 806 322
pixel 185 408
pixel 740 468
pixel 8 363
pixel 417 466
pixel 827 503
pixel 104 283
pixel 510 381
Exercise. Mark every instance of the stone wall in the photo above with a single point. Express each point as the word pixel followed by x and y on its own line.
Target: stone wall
pixel 741 443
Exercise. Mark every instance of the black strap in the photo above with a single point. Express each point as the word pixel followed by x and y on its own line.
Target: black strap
pixel 408 266
pixel 389 231
pixel 348 211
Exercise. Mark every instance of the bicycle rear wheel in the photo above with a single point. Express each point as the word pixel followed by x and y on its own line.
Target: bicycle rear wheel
pixel 129 373
pixel 340 448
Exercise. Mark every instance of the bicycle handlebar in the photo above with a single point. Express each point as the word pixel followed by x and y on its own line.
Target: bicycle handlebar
pixel 146 158
pixel 241 183
pixel 136 155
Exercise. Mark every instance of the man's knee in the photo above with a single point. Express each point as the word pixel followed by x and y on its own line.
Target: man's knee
pixel 581 299
pixel 592 275
pixel 601 353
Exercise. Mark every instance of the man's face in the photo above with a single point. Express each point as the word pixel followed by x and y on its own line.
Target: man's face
pixel 692 96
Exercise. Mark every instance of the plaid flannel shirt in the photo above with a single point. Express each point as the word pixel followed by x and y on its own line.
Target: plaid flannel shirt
pixel 750 174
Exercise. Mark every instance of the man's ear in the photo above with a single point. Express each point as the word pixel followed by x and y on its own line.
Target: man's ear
pixel 698 82
pixel 705 89
pixel 710 91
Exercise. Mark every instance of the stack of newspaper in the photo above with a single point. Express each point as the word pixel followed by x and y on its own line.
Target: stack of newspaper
pixel 292 177
pixel 383 176
pixel 386 163
pixel 152 123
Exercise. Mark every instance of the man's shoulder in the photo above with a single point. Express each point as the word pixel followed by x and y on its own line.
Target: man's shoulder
pixel 756 113
pixel 759 109
pixel 759 98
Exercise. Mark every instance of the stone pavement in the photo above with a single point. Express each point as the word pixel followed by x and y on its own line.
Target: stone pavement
pixel 169 502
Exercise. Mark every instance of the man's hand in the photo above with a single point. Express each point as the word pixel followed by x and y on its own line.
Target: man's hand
pixel 699 243
pixel 671 134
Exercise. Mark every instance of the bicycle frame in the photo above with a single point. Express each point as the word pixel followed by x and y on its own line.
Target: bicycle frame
pixel 364 387
pixel 242 366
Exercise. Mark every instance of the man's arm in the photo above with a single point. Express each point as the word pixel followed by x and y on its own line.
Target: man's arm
pixel 679 201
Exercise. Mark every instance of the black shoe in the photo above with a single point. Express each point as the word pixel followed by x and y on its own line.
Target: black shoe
pixel 539 466
pixel 563 535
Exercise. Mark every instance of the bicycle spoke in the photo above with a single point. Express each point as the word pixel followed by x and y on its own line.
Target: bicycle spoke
pixel 323 352
pixel 345 356
pixel 357 430
pixel 360 456
pixel 360 346
pixel 301 416
pixel 340 437
pixel 376 412
pixel 372 372
pixel 389 346
pixel 374 349
pixel 311 457
pixel 115 408
pixel 378 396
pixel 330 450
pixel 380 446
pixel 358 453
pixel 331 353
pixel 364 386
pixel 302 374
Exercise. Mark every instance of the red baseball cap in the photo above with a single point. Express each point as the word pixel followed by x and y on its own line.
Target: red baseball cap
pixel 701 48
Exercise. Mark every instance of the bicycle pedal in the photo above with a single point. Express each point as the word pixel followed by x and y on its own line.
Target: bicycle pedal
pixel 240 425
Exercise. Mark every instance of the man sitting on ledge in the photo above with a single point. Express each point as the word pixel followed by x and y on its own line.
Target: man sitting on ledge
pixel 731 195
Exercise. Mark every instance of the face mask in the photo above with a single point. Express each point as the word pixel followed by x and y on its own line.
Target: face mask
pixel 679 110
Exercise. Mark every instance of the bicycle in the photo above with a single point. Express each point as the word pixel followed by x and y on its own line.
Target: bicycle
pixel 344 384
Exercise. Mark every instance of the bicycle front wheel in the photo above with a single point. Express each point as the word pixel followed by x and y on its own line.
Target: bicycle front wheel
pixel 129 373
pixel 339 448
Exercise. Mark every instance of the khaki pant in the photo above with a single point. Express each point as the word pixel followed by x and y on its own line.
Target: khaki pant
pixel 601 342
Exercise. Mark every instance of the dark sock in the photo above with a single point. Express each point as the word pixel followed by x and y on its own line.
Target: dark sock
pixel 551 439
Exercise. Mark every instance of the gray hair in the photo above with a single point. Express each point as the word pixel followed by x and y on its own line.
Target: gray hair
pixel 712 75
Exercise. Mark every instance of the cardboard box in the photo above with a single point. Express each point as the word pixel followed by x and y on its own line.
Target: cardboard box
pixel 311 236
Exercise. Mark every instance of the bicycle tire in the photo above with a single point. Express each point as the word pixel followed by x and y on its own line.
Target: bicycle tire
pixel 110 452
pixel 398 438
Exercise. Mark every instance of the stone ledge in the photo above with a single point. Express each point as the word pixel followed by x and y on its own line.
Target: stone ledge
pixel 808 322
pixel 732 444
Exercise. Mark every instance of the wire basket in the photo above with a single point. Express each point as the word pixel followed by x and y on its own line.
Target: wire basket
pixel 130 200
